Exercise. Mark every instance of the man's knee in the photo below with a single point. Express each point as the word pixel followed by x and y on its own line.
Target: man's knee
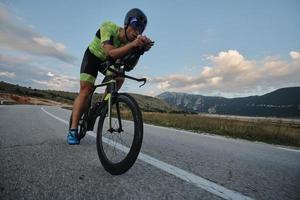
pixel 85 88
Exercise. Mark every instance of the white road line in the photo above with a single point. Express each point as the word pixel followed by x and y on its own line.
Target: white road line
pixel 59 119
pixel 182 174
pixel 294 150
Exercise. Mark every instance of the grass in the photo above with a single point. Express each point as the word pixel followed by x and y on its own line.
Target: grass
pixel 259 130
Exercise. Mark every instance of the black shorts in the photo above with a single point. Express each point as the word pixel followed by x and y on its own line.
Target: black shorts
pixel 90 66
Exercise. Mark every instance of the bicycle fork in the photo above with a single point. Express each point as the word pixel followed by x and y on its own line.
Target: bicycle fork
pixel 120 129
pixel 108 98
pixel 110 129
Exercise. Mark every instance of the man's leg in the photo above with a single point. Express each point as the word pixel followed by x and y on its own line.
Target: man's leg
pixel 88 74
pixel 120 81
pixel 80 102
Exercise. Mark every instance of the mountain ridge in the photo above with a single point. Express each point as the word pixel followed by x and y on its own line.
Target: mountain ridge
pixel 283 102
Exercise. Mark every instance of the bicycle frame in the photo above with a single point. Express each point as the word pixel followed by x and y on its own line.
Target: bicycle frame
pixel 107 98
pixel 112 92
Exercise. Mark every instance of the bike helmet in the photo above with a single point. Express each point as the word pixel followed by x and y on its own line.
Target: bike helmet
pixel 136 18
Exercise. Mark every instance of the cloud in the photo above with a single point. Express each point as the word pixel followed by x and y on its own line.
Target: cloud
pixel 8 74
pixel 22 71
pixel 295 54
pixel 230 73
pixel 13 60
pixel 164 85
pixel 46 42
pixel 59 82
pixel 15 35
pixel 50 74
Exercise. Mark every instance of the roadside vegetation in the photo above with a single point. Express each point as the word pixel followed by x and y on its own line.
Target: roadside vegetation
pixel 268 131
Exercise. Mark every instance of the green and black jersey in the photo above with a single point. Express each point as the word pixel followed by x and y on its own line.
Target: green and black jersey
pixel 108 33
pixel 95 54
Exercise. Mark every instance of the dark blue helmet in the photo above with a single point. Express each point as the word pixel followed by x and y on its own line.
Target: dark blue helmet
pixel 136 18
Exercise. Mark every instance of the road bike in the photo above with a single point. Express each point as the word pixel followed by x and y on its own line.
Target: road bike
pixel 120 122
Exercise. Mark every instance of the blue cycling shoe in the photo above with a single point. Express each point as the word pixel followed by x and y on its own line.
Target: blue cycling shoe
pixel 72 137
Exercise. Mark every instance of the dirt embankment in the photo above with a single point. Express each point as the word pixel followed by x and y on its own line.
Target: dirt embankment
pixel 6 98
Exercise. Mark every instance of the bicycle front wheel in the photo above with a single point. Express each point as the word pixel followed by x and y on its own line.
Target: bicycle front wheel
pixel 119 139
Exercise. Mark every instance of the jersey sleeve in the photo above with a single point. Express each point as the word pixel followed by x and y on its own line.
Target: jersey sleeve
pixel 106 32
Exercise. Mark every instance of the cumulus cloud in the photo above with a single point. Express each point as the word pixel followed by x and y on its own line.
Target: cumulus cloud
pixel 295 54
pixel 164 85
pixel 8 74
pixel 58 82
pixel 230 73
pixel 46 42
pixel 15 35
pixel 22 71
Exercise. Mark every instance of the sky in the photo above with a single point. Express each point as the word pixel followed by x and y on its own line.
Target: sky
pixel 227 48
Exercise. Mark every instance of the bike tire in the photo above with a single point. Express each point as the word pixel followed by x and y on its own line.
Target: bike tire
pixel 125 164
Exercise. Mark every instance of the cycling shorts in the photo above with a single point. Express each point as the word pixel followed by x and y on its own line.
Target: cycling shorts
pixel 90 66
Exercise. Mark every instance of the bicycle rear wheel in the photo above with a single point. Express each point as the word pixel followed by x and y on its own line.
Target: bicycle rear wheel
pixel 118 147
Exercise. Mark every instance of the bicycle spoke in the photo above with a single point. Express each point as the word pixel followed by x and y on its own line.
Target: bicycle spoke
pixel 122 141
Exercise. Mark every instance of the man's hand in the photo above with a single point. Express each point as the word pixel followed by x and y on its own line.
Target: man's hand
pixel 147 43
pixel 142 42
pixel 148 46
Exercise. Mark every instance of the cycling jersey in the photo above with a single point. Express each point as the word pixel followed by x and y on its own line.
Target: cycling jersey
pixel 95 54
pixel 108 33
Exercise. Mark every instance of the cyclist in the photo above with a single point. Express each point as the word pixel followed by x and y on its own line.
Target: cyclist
pixel 111 42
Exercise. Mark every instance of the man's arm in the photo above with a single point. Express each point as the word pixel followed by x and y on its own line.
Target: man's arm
pixel 115 53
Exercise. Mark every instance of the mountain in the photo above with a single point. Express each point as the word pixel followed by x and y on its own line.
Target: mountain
pixel 284 102
pixel 146 103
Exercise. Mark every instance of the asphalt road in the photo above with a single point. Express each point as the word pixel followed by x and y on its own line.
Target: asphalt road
pixel 37 163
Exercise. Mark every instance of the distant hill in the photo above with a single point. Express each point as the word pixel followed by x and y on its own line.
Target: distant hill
pixel 153 104
pixel 59 96
pixel 146 103
pixel 284 102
